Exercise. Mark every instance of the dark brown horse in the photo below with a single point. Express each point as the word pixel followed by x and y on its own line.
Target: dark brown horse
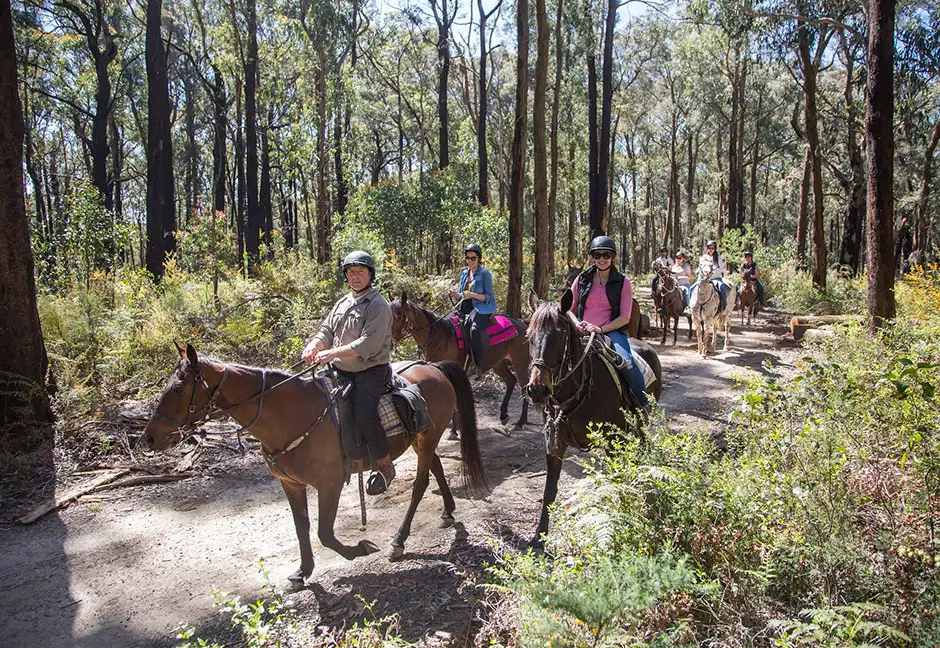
pixel 575 388
pixel 747 298
pixel 294 423
pixel 671 302
pixel 435 336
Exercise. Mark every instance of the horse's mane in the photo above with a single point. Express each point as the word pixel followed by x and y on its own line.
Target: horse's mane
pixel 547 313
pixel 273 372
pixel 434 320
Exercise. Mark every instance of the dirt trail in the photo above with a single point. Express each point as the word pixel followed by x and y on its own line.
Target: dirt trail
pixel 125 570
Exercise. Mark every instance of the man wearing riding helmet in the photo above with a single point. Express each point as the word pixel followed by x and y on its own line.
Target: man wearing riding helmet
pixel 603 301
pixel 475 289
pixel 717 263
pixel 356 337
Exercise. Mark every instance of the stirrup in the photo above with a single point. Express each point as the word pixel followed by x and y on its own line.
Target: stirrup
pixel 379 482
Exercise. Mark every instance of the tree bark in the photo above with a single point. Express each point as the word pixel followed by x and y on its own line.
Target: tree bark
pixel 342 191
pixel 879 137
pixel 483 187
pixel 802 223
pixel 324 226
pixel 850 248
pixel 599 218
pixel 553 134
pixel 444 19
pixel 265 205
pixel 921 237
pixel 543 247
pixel 810 67
pixel 161 208
pixel 516 199
pixel 595 227
pixel 22 353
pixel 220 126
pixel 240 184
pixel 255 217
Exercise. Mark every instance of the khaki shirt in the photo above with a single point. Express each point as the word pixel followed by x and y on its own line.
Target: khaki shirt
pixel 365 324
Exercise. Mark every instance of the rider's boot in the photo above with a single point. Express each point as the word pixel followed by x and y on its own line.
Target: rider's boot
pixel 382 476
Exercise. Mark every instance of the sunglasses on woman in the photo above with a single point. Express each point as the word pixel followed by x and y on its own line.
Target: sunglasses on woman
pixel 602 255
pixel 471 258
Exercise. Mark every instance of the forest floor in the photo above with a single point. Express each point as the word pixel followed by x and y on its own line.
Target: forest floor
pixel 124 567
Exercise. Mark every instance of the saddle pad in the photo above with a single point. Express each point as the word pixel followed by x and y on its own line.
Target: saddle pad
pixel 500 329
pixel 649 376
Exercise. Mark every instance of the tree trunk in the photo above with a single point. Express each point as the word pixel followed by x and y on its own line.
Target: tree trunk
pixel 543 247
pixel 254 216
pixel 810 70
pixel 595 227
pixel 483 188
pixel 722 191
pixel 516 198
pixel 161 209
pixel 264 192
pixel 553 135
pixel 923 204
pixel 190 190
pixel 599 219
pixel 220 125
pixel 324 226
pixel 342 191
pixel 572 252
pixel 879 137
pixel 22 353
pixel 240 184
pixel 802 223
pixel 444 20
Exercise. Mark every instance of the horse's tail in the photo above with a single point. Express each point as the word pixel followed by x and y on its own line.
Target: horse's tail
pixel 466 423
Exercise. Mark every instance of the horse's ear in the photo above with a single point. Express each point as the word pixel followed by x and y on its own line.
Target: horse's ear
pixel 192 356
pixel 567 300
pixel 533 299
pixel 404 298
pixel 182 352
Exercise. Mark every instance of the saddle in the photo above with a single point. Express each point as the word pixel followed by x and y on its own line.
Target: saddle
pixel 613 362
pixel 402 410
pixel 500 330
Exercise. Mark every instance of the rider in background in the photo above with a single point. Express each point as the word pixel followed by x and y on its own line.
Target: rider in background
pixel 682 271
pixel 356 337
pixel 603 301
pixel 475 288
pixel 749 268
pixel 717 262
pixel 662 260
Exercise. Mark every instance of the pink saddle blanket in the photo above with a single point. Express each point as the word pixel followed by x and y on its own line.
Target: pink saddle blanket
pixel 500 329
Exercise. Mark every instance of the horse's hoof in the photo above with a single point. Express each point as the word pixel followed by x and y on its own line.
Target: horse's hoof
pixel 447 521
pixel 504 419
pixel 518 425
pixel 536 546
pixel 395 553
pixel 368 547
pixel 298 577
pixel 453 436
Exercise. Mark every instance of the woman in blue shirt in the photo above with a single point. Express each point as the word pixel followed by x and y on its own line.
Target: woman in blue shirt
pixel 475 289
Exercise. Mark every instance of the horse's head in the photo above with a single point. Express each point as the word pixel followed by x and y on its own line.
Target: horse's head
pixel 183 403
pixel 705 269
pixel 403 317
pixel 550 336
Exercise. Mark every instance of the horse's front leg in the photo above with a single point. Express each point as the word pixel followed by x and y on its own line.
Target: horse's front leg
pixel 328 503
pixel 297 497
pixel 417 493
pixel 552 474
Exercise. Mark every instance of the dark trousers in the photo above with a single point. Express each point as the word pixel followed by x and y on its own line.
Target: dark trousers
pixel 479 337
pixel 360 408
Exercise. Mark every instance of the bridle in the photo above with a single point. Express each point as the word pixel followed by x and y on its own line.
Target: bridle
pixel 409 328
pixel 211 411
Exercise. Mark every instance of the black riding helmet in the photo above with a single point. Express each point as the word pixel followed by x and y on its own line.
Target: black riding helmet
pixel 360 258
pixel 473 247
pixel 602 243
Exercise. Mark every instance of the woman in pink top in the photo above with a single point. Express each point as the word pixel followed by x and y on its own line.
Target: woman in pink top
pixel 603 300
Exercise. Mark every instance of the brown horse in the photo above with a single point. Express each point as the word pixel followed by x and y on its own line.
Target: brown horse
pixel 293 421
pixel 672 303
pixel 576 389
pixel 747 298
pixel 436 339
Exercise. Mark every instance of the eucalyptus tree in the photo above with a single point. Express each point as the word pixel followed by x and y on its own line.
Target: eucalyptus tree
pixel 516 199
pixel 24 363
pixel 161 204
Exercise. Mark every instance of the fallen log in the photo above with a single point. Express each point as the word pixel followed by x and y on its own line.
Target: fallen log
pixel 103 482
pixel 816 335
pixel 802 323
pixel 53 503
